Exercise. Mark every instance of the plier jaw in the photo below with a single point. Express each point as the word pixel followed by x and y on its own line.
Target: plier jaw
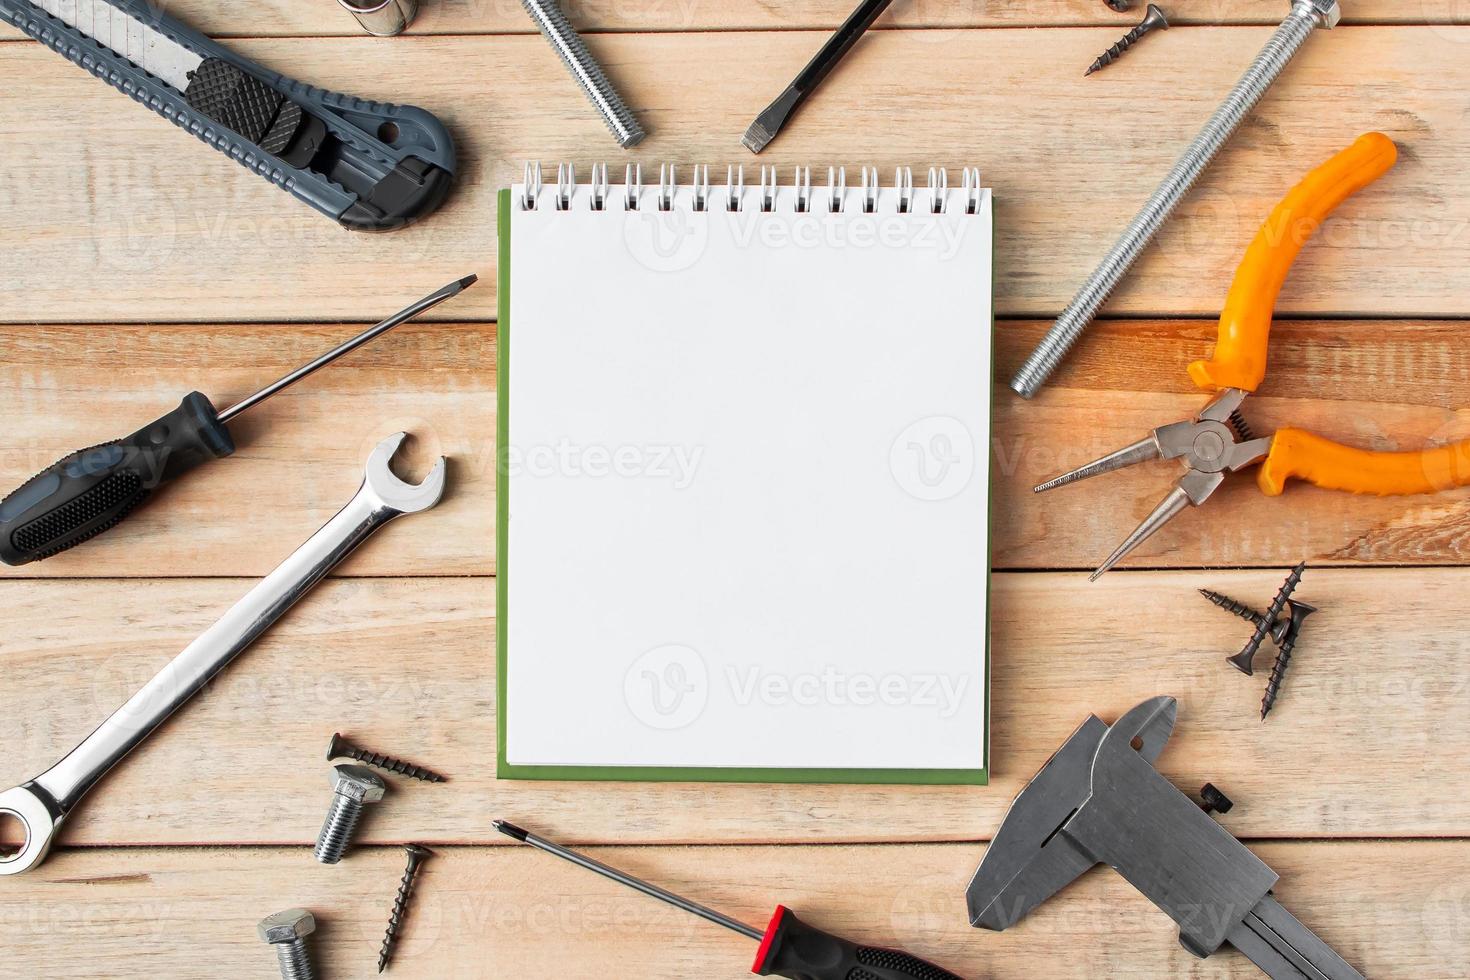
pixel 1215 442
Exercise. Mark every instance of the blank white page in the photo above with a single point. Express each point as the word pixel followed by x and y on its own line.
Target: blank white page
pixel 748 482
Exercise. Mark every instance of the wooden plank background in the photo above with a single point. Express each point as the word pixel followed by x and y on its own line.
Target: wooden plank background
pixel 136 264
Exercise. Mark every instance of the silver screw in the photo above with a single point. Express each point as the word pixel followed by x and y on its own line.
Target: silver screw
pixel 584 68
pixel 287 932
pixel 1305 16
pixel 353 787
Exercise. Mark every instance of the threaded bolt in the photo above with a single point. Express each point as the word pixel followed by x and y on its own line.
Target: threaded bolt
pixel 340 748
pixel 417 855
pixel 584 68
pixel 353 787
pixel 1305 17
pixel 1154 20
pixel 287 932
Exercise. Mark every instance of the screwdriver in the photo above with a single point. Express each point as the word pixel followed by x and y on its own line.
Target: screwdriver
pixel 788 948
pixel 92 490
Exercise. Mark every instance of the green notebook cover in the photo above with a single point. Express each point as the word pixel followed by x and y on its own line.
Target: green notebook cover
pixel 505 770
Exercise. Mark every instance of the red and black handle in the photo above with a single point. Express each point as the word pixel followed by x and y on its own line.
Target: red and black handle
pixel 793 949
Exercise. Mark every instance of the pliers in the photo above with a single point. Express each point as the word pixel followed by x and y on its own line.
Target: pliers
pixel 1217 440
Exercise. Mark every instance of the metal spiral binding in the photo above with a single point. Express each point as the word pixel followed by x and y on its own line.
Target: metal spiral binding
pixel 970 187
pixel 531 186
pixel 701 187
pixel 803 182
pixel 938 199
pixel 769 180
pixel 870 190
pixel 566 183
pixel 633 185
pixel 836 189
pixel 938 189
pixel 599 187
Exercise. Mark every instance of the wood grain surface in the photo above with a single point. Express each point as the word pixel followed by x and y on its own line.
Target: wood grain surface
pixel 139 224
pixel 137 264
pixel 513 912
pixel 270 18
pixel 1358 691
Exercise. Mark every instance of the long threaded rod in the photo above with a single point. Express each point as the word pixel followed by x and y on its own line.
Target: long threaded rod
pixel 584 68
pixel 1268 66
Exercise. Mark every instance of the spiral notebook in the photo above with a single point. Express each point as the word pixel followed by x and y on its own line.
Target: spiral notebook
pixel 743 525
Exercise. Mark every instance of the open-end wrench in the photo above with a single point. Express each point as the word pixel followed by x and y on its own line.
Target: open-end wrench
pixel 43 803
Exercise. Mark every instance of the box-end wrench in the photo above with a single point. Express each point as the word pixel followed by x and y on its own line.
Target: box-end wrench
pixel 43 803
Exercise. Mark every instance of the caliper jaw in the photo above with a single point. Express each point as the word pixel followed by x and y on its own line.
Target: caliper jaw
pixel 1100 800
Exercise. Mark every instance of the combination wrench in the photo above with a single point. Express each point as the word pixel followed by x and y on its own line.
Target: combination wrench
pixel 42 804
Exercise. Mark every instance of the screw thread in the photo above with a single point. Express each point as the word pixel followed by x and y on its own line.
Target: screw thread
pixel 389 764
pixel 1278 677
pixel 1273 59
pixel 1115 52
pixel 584 68
pixel 294 960
pixel 338 829
pixel 1234 607
pixel 395 919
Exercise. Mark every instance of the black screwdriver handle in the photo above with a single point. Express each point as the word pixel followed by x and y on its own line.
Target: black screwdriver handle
pixel 91 490
pixel 793 949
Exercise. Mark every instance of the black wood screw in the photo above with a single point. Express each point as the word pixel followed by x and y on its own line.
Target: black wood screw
pixel 417 855
pixel 1238 608
pixel 343 749
pixel 1299 612
pixel 1243 660
pixel 1152 21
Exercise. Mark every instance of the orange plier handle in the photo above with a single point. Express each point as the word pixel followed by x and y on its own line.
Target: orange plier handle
pixel 1240 354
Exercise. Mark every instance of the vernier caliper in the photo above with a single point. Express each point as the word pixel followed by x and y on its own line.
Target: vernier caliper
pixel 371 166
pixel 1100 800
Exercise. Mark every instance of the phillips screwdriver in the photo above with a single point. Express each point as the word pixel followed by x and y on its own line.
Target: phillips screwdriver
pixel 788 948
pixel 94 489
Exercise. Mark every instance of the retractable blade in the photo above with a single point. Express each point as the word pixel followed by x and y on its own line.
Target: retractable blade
pixel 371 166
pixel 112 27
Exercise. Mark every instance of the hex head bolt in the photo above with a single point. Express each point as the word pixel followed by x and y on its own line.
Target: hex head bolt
pixel 1154 20
pixel 417 855
pixel 287 932
pixel 340 748
pixel 353 787
pixel 1305 17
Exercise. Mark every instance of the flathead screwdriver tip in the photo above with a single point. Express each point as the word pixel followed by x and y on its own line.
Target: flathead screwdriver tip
pixel 468 281
pixel 510 830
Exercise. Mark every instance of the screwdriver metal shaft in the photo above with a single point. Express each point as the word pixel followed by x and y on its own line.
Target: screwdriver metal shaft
pixel 789 947
pixel 622 878
pixel 407 313
pixel 90 491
